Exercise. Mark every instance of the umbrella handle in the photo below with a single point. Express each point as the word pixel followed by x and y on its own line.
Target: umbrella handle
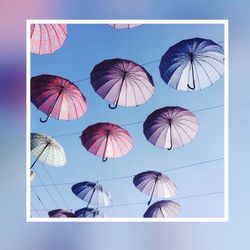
pixel 104 159
pixel 192 67
pixel 191 87
pixel 113 107
pixel 171 145
pixel 43 121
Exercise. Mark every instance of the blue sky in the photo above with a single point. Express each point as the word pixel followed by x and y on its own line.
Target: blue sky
pixel 87 45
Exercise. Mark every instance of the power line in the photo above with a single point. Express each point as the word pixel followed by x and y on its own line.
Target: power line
pixel 34 209
pixel 37 196
pixel 139 122
pixel 131 176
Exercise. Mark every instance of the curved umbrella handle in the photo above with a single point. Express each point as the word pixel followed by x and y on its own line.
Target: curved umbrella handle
pixel 113 107
pixel 191 87
pixel 43 121
pixel 170 147
pixel 104 159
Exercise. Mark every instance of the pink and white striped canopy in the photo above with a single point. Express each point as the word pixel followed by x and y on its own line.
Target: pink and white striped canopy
pixel 57 97
pixel 122 82
pixel 123 25
pixel 47 38
pixel 107 140
pixel 170 127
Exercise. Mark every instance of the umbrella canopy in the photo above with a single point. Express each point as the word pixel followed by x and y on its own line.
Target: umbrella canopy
pixel 89 213
pixel 192 64
pixel 92 192
pixel 170 127
pixel 123 26
pixel 154 184
pixel 60 213
pixel 47 150
pixel 107 140
pixel 122 82
pixel 47 38
pixel 32 175
pixel 163 209
pixel 57 97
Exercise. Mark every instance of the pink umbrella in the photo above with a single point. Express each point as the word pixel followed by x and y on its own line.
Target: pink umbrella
pixel 47 38
pixel 57 97
pixel 60 213
pixel 170 127
pixel 123 26
pixel 122 82
pixel 107 140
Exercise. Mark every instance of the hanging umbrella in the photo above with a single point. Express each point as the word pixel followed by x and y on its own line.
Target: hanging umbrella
pixel 123 26
pixel 106 140
pixel 163 209
pixel 60 213
pixel 170 127
pixel 122 82
pixel 93 193
pixel 89 212
pixel 32 175
pixel 192 64
pixel 47 150
pixel 47 38
pixel 154 184
pixel 57 97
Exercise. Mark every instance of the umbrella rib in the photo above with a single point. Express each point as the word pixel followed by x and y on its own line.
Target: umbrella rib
pixel 187 125
pixel 50 43
pixel 184 132
pixel 58 38
pixel 40 42
pixel 204 71
pixel 211 66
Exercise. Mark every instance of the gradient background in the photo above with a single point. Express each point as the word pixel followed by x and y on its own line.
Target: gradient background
pixel 88 45
pixel 16 233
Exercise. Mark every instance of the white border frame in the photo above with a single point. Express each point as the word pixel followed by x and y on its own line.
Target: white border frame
pixel 225 218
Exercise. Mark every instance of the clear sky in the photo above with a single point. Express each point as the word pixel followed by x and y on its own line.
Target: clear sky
pixel 87 45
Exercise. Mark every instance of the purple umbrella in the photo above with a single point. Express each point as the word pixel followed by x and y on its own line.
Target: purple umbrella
pixel 170 127
pixel 122 82
pixel 163 209
pixel 155 184
pixel 89 212
pixel 60 213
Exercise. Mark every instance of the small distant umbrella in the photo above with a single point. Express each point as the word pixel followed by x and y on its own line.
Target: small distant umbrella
pixel 192 64
pixel 60 213
pixel 57 97
pixel 154 184
pixel 107 140
pixel 163 209
pixel 32 175
pixel 123 26
pixel 47 38
pixel 170 127
pixel 122 82
pixel 47 150
pixel 89 212
pixel 92 192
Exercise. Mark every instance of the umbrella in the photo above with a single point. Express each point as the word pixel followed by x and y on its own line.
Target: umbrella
pixel 163 209
pixel 92 192
pixel 106 140
pixel 154 184
pixel 192 64
pixel 60 213
pixel 47 150
pixel 57 97
pixel 123 26
pixel 170 127
pixel 122 82
pixel 89 212
pixel 47 38
pixel 32 175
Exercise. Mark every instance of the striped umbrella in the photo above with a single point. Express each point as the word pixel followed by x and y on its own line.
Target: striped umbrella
pixel 170 127
pixel 122 82
pixel 123 26
pixel 106 140
pixel 154 184
pixel 163 209
pixel 47 38
pixel 89 213
pixel 60 213
pixel 57 97
pixel 192 64
pixel 47 150
pixel 92 192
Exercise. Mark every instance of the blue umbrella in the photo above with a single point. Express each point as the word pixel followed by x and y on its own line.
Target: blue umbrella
pixel 154 184
pixel 92 192
pixel 192 64
pixel 163 209
pixel 89 212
